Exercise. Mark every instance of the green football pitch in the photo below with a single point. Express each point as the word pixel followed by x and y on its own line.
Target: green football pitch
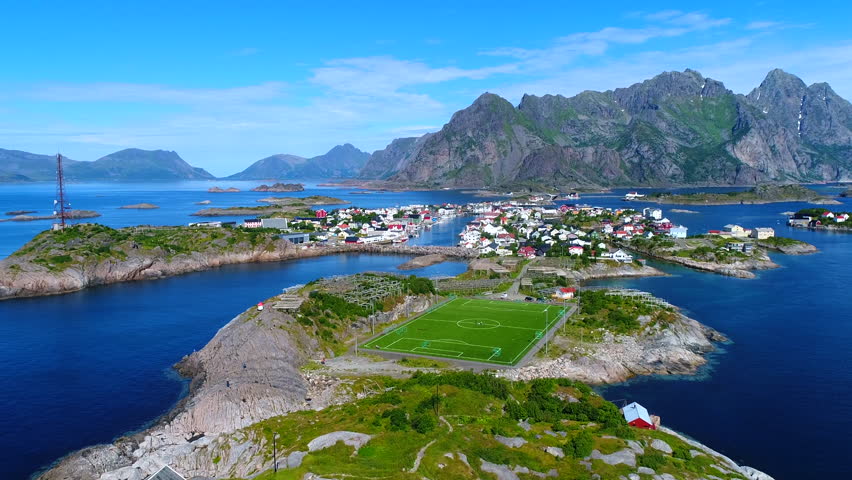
pixel 490 331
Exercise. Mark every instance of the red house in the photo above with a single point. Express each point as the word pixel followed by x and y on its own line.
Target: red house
pixel 528 252
pixel 321 213
pixel 637 416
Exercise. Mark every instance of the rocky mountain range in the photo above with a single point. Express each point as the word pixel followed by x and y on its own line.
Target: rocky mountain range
pixel 678 128
pixel 126 165
pixel 342 161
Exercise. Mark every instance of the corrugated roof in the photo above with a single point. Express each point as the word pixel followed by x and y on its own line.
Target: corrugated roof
pixel 634 410
pixel 166 473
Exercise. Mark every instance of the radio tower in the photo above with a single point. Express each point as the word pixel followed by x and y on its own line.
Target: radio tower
pixel 60 205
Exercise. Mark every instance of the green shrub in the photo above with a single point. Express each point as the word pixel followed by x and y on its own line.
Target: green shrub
pixel 580 446
pixel 652 460
pixel 424 422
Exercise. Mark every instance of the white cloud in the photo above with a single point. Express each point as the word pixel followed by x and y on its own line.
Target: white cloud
pixel 135 92
pixel 567 49
pixel 761 25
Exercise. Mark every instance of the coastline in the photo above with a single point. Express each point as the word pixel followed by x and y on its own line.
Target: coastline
pixel 254 368
pixel 20 284
pixel 738 269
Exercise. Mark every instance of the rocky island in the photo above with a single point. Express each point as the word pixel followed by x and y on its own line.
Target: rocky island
pixel 20 212
pixel 222 190
pixel 280 187
pixel 70 215
pixel 283 210
pixel 758 195
pixel 722 255
pixel 262 372
pixel 86 255
pixel 140 206
pixel 312 200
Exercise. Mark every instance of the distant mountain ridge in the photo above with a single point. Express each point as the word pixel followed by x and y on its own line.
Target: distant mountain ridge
pixel 678 128
pixel 126 165
pixel 342 161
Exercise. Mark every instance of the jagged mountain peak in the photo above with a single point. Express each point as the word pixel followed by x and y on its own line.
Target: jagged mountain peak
pixel 678 127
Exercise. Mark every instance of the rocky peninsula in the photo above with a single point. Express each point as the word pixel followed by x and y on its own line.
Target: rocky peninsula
pixel 260 210
pixel 422 261
pixel 280 187
pixel 72 215
pixel 261 368
pixel 760 194
pixel 787 246
pixel 82 256
pixel 706 253
pixel 312 200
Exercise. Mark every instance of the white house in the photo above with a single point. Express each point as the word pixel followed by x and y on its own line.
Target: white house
pixel 678 232
pixel 762 233
pixel 653 213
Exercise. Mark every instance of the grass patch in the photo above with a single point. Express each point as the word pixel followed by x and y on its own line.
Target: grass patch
pixel 488 331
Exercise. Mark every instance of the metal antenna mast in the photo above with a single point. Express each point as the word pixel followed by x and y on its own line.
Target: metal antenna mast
pixel 60 206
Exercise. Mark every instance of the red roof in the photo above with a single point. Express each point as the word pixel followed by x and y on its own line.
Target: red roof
pixel 568 289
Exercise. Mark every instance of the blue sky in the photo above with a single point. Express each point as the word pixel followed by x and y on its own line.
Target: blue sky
pixel 225 84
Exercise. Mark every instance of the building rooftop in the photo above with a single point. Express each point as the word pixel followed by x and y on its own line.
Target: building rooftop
pixel 634 410
pixel 166 473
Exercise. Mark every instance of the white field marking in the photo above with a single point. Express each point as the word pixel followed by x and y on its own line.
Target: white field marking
pixel 524 350
pixel 445 352
pixel 504 309
pixel 395 341
pixel 489 326
pixel 460 356
pixel 463 319
pixel 450 341
pixel 529 345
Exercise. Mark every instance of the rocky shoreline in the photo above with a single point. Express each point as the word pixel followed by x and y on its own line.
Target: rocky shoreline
pixel 19 278
pixel 280 187
pixel 252 370
pixel 423 261
pixel 678 348
pixel 248 372
pixel 599 271
pixel 72 215
pixel 800 248
pixel 140 206
pixel 738 269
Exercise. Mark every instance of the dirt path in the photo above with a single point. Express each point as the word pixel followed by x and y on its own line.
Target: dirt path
pixel 420 456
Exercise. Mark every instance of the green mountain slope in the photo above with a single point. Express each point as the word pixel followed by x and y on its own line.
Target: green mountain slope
pixel 676 128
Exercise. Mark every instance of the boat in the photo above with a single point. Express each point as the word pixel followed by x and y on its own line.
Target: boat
pixel 569 196
pixel 633 196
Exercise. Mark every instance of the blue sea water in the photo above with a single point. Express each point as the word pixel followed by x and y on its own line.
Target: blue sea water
pixel 82 368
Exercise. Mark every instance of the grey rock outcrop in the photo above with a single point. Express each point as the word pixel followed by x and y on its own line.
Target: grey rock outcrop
pixel 676 128
pixel 678 349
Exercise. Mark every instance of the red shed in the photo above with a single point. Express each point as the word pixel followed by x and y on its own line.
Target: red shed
pixel 637 416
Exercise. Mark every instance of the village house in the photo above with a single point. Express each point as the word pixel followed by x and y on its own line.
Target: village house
pixel 762 233
pixel 564 293
pixel 678 232
pixel 735 231
pixel 618 255
pixel 252 223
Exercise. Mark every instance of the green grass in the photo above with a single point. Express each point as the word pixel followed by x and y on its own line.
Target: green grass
pixel 490 331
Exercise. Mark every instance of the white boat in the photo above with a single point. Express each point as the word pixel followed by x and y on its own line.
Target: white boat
pixel 633 196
